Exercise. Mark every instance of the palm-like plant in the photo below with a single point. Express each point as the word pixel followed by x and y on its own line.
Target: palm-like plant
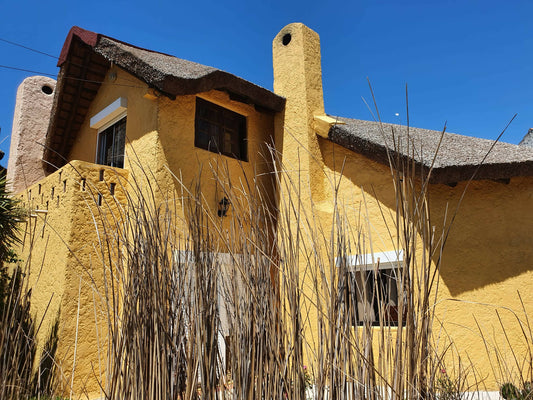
pixel 11 213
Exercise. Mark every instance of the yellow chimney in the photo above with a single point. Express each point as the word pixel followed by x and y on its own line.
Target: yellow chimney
pixel 298 78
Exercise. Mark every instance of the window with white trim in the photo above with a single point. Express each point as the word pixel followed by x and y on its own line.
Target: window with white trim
pixel 111 144
pixel 373 289
pixel 111 126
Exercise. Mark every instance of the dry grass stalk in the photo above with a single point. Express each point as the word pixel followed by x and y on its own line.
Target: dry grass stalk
pixel 23 371
pixel 512 360
pixel 198 304
pixel 264 303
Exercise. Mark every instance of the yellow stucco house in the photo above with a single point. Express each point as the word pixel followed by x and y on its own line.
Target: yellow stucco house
pixel 116 107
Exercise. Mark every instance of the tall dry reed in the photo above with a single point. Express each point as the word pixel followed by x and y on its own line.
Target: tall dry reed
pixel 24 371
pixel 263 303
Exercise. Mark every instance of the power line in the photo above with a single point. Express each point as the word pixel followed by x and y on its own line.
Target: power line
pixel 71 77
pixel 28 48
pixel 46 54
pixel 27 70
pixel 34 50
pixel 52 56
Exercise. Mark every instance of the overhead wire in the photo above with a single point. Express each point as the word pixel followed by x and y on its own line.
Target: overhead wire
pixel 26 70
pixel 73 78
pixel 54 75
pixel 28 48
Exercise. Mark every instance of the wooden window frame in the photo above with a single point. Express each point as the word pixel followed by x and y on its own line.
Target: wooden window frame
pixel 220 130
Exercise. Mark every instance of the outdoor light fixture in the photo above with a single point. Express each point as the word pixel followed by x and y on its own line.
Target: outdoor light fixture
pixel 223 207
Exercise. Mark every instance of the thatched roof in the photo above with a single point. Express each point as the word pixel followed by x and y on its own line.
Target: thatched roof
pixel 174 76
pixel 87 56
pixel 458 157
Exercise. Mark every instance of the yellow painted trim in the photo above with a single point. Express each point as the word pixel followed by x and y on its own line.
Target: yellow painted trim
pixel 323 123
pixel 152 94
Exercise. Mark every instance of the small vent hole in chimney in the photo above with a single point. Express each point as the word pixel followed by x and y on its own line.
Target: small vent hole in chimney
pixel 47 90
pixel 286 39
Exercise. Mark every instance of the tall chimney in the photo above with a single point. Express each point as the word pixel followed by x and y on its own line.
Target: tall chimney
pixel 35 97
pixel 298 78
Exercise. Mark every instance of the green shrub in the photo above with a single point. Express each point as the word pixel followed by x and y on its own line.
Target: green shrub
pixel 510 392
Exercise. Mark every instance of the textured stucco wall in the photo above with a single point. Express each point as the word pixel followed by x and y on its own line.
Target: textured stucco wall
pixel 488 252
pixel 486 257
pixel 194 165
pixel 159 148
pixel 66 272
pixel 486 260
pixel 298 77
pixel 141 119
pixel 486 263
pixel 35 96
pixel 160 145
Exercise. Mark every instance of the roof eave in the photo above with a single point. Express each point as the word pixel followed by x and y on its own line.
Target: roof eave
pixel 172 85
pixel 448 175
pixel 82 47
pixel 80 77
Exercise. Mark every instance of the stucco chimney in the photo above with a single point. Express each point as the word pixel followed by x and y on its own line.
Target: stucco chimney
pixel 32 114
pixel 298 78
pixel 297 69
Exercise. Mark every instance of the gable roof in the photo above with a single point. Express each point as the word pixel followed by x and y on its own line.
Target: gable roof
pixel 85 59
pixel 458 156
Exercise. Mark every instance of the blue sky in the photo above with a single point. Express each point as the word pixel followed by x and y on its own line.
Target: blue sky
pixel 469 63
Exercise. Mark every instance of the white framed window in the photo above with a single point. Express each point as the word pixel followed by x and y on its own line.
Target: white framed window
pixel 111 145
pixel 372 289
pixel 111 126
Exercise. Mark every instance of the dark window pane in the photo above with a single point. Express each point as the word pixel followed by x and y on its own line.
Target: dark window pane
pixel 202 139
pixel 111 144
pixel 202 125
pixel 220 130
pixel 119 139
pixel 374 295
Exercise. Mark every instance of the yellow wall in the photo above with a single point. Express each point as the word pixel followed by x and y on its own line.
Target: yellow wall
pixel 486 262
pixel 298 77
pixel 235 178
pixel 160 145
pixel 487 255
pixel 65 264
pixel 159 149
pixel 141 119
pixel 486 258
